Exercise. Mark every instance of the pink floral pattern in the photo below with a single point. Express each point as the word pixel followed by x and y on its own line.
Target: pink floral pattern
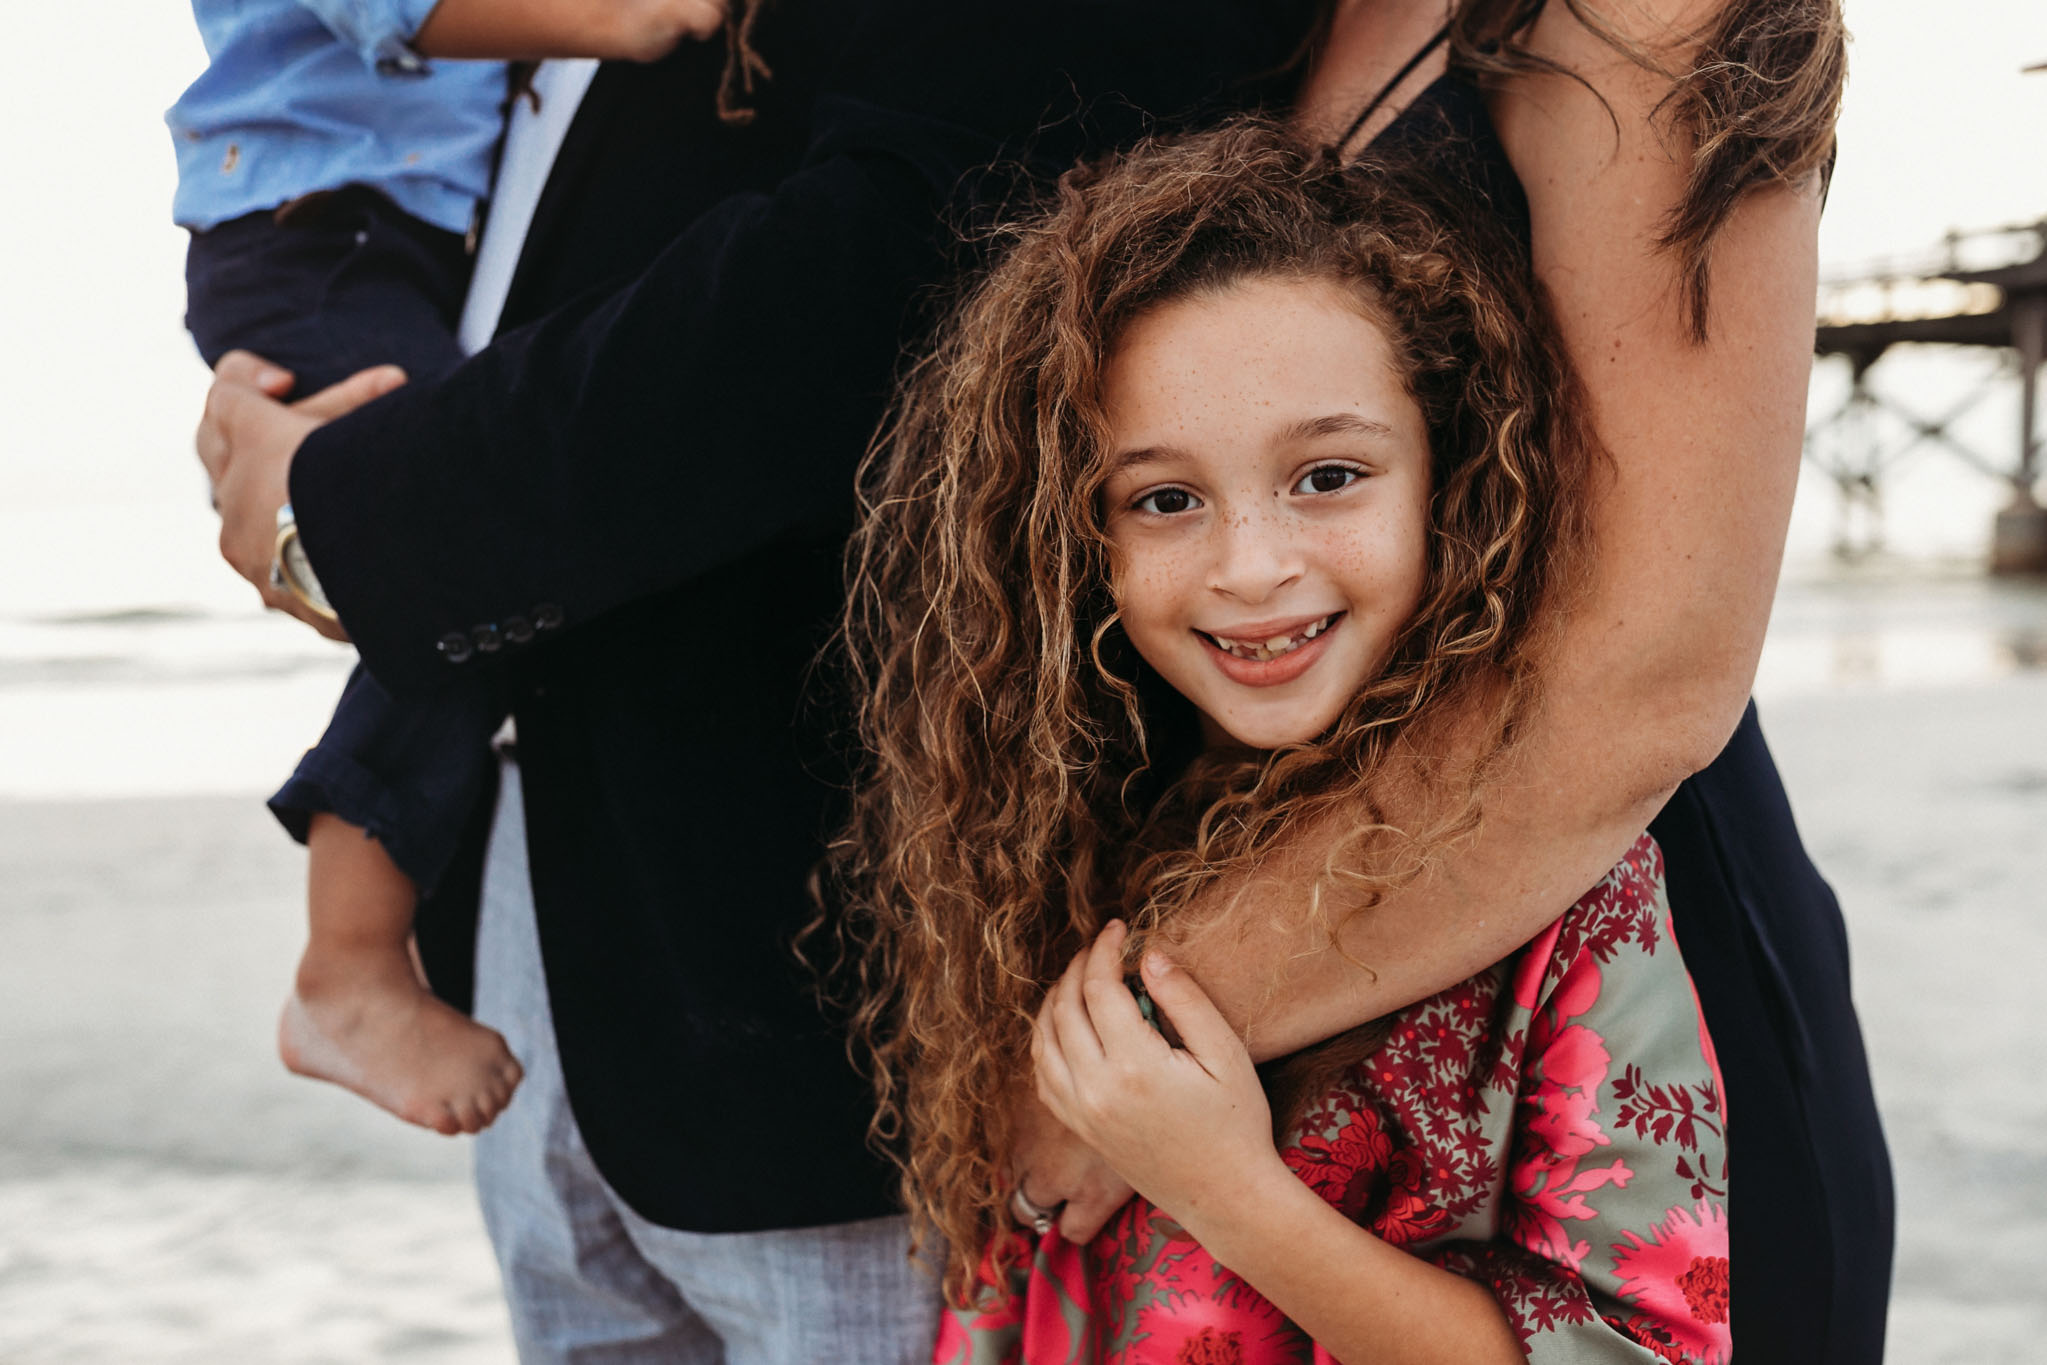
pixel 1551 1128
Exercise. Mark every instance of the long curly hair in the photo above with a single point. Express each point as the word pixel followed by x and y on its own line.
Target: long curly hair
pixel 1026 776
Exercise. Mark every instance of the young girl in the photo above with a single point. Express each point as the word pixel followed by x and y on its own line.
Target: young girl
pixel 1236 477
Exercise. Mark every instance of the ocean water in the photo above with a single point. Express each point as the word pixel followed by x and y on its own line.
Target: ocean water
pixel 134 663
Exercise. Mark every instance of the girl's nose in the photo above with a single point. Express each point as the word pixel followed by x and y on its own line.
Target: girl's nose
pixel 1255 557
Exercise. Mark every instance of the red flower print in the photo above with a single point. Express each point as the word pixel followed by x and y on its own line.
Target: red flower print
pixel 1480 1135
pixel 1678 1278
pixel 1217 1320
pixel 1565 1068
pixel 1344 1169
pixel 1402 1215
pixel 1208 1347
pixel 1705 1288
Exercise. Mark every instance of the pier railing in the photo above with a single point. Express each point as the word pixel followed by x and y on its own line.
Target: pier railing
pixel 1983 289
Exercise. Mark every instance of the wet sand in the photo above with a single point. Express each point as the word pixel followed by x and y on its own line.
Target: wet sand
pixel 168 1194
pixel 1928 811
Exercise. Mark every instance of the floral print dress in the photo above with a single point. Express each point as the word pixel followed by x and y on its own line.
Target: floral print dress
pixel 1552 1128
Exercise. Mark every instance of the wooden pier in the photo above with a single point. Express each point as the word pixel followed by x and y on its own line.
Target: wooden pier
pixel 1986 288
pixel 1980 289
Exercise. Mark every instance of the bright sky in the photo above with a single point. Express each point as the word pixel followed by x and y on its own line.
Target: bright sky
pixel 100 499
pixel 1940 129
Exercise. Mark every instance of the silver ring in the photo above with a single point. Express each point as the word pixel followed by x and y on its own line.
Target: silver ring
pixel 1033 1215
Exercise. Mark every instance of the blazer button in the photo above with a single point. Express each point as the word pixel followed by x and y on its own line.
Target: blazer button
pixel 455 647
pixel 518 629
pixel 488 638
pixel 547 616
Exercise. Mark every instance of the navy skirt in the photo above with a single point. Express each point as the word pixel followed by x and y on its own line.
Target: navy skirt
pixel 1810 1204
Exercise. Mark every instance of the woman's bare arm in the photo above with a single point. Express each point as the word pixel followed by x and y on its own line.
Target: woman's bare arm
pixel 1651 672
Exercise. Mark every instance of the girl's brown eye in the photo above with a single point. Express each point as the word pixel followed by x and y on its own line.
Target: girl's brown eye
pixel 1328 478
pixel 1166 502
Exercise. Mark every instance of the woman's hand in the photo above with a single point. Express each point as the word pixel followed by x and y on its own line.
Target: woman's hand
pixel 1184 1125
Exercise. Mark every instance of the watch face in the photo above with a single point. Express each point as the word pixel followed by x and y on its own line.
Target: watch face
pixel 298 575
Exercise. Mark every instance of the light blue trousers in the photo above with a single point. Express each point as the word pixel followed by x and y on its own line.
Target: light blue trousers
pixel 591 1281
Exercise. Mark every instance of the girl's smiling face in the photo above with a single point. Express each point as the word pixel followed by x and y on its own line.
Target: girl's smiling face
pixel 1267 501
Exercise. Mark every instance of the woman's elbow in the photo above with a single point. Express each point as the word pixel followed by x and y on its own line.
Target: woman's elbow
pixel 1688 716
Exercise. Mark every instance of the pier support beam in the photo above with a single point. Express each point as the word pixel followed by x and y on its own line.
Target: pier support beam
pixel 2018 538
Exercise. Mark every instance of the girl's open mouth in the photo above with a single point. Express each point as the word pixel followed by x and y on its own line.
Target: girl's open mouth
pixel 1265 651
pixel 1272 661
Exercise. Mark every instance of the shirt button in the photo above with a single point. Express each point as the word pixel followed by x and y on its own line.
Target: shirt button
pixel 518 629
pixel 547 616
pixel 488 638
pixel 455 647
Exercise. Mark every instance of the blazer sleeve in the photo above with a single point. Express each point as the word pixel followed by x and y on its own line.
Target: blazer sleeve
pixel 630 441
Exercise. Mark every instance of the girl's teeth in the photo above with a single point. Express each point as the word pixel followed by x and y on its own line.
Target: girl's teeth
pixel 1264 651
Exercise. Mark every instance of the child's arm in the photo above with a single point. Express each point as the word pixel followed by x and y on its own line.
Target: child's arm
pixel 530 30
pixel 1190 1129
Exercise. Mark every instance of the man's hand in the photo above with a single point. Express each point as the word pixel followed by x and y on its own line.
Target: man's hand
pixel 247 438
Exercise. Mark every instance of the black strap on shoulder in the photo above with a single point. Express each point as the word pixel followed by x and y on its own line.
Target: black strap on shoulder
pixel 1442 36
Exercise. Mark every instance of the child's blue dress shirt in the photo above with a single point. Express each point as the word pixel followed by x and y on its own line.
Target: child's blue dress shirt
pixel 304 95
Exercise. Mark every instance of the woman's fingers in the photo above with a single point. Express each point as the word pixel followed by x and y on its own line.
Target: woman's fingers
pixel 1201 1026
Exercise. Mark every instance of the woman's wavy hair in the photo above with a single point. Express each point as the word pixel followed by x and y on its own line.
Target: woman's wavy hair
pixel 1754 93
pixel 1020 786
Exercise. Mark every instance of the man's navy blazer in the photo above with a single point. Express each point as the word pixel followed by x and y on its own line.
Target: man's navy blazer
pixel 625 519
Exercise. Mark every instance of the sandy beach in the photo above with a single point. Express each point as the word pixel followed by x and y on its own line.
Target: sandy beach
pixel 1928 811
pixel 168 1194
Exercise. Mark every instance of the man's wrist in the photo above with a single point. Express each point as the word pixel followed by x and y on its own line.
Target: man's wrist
pixel 291 571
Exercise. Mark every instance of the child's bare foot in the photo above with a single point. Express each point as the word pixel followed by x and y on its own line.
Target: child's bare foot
pixel 364 1021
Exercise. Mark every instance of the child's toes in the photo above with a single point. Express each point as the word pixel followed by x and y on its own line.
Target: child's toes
pixel 423 1113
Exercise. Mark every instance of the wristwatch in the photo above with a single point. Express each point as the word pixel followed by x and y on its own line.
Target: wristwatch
pixel 291 571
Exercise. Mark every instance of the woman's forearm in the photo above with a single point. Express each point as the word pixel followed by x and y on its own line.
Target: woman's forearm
pixel 1649 672
pixel 1363 1301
